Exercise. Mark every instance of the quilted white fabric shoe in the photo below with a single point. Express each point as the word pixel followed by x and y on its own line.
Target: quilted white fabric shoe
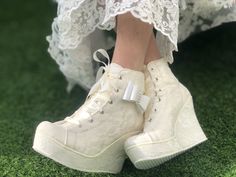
pixel 92 139
pixel 171 126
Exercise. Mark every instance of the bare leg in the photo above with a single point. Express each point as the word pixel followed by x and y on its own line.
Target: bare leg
pixel 153 52
pixel 132 41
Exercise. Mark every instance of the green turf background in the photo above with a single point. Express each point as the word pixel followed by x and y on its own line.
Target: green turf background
pixel 32 89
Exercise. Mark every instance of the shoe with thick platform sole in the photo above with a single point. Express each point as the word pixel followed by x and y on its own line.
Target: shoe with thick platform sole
pixel 171 126
pixel 92 139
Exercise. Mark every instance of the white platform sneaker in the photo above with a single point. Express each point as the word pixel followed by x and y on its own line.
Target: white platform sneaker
pixel 171 126
pixel 92 139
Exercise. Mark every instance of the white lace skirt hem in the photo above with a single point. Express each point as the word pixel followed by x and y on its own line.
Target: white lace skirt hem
pixel 81 25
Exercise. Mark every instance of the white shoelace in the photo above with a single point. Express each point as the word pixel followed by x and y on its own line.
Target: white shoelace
pixel 102 91
pixel 99 95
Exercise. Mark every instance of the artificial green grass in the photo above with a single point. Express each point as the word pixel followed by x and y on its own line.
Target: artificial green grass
pixel 32 89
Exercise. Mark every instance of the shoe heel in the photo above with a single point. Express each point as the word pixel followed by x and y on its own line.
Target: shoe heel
pixel 188 131
pixel 187 134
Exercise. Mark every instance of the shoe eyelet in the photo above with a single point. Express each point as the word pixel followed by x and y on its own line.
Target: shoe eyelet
pixel 155 93
pixel 101 112
pixel 155 109
pixel 152 69
pixel 91 120
pixel 117 90
pixel 120 78
pixel 149 120
pixel 110 102
pixel 156 78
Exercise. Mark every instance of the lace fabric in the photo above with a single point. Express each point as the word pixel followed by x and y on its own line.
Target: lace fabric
pixel 81 25
pixel 100 93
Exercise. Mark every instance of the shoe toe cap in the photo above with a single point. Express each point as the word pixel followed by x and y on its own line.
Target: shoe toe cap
pixel 51 130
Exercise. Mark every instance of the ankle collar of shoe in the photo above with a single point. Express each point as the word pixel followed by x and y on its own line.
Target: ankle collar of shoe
pixel 128 74
pixel 114 67
pixel 158 62
pixel 160 69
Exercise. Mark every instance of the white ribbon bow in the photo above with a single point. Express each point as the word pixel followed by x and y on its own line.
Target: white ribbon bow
pixel 102 68
pixel 133 94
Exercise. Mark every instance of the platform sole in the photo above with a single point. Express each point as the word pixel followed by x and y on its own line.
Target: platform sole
pixel 110 160
pixel 187 134
pixel 143 160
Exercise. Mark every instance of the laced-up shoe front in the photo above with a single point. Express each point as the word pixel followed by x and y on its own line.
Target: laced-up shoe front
pixel 92 138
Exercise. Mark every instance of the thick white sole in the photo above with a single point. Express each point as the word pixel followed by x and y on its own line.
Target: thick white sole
pixel 110 160
pixel 187 135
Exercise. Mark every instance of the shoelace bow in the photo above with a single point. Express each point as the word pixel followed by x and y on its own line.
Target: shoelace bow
pixel 95 99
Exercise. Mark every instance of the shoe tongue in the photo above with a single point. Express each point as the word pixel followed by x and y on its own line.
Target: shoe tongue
pixel 115 68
